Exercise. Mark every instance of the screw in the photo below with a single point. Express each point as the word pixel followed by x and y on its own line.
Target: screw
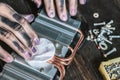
pixel 57 45
pixel 95 40
pixel 103 45
pixel 106 28
pixel 96 15
pixel 113 36
pixel 106 40
pixel 110 52
pixel 101 37
pixel 98 24
pixel 88 38
pixel 101 33
pixel 96 31
pixel 109 32
pixel 109 23
pixel 91 34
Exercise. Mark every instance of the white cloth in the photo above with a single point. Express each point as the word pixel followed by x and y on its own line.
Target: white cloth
pixel 46 51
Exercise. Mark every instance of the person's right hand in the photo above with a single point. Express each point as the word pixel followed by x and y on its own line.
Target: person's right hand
pixel 17 33
pixel 60 6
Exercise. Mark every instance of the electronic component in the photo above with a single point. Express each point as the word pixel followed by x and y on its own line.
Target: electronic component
pixel 66 37
pixel 110 69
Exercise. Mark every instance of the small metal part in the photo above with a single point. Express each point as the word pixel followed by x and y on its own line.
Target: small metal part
pixel 91 34
pixel 110 52
pixel 95 40
pixel 103 45
pixel 114 36
pixel 96 15
pixel 99 39
pixel 99 24
pixel 57 45
pixel 109 23
pixel 88 38
pixel 109 32
pixel 102 33
pixel 102 38
pixel 106 28
pixel 96 31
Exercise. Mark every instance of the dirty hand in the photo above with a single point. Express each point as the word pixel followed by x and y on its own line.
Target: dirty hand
pixel 17 33
pixel 61 7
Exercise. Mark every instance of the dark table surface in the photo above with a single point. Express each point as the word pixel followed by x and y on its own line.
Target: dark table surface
pixel 88 58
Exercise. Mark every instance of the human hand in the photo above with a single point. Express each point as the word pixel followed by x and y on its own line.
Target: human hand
pixel 17 33
pixel 61 7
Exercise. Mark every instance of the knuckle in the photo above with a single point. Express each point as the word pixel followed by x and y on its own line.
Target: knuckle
pixel 4 8
pixel 3 4
pixel 23 21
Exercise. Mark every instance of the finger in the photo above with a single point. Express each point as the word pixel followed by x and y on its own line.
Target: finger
pixel 61 9
pixel 5 56
pixel 8 12
pixel 29 31
pixel 20 33
pixel 82 2
pixel 29 17
pixel 49 6
pixel 7 37
pixel 38 2
pixel 73 7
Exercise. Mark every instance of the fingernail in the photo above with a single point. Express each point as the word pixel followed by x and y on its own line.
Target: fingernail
pixel 38 5
pixel 30 18
pixel 37 2
pixel 82 2
pixel 37 41
pixel 51 14
pixel 64 17
pixel 73 12
pixel 34 50
pixel 9 59
pixel 28 55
